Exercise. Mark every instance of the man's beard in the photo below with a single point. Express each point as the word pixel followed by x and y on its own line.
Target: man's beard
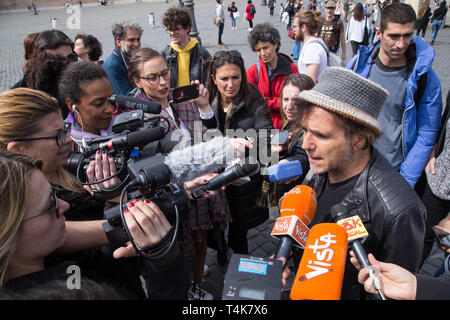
pixel 128 51
pixel 300 36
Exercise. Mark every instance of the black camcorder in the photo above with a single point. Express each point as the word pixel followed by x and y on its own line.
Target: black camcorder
pixel 142 178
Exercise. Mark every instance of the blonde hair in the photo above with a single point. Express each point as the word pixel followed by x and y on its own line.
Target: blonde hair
pixel 20 111
pixel 15 171
pixel 422 9
pixel 311 18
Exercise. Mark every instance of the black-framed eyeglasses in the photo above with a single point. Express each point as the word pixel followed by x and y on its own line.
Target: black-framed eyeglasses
pixel 54 207
pixel 233 53
pixel 153 78
pixel 60 136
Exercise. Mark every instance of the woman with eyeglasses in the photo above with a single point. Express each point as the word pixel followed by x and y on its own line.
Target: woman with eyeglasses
pixel 150 73
pixel 234 106
pixel 31 124
pixel 34 231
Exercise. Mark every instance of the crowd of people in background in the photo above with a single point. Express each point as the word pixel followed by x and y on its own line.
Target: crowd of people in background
pixel 375 135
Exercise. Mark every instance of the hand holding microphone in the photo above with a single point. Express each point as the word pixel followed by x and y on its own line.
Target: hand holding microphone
pixel 396 282
pixel 356 234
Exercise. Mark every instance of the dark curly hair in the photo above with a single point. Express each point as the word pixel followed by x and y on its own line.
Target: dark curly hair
pixel 92 44
pixel 77 75
pixel 43 72
pixel 177 16
pixel 264 32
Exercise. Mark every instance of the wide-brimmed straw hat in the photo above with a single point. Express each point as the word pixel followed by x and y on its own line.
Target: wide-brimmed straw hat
pixel 346 93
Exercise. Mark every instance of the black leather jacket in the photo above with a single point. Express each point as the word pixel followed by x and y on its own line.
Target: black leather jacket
pixel 392 213
pixel 197 59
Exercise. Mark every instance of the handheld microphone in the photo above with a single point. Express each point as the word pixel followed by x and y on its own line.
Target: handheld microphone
pixel 321 270
pixel 284 171
pixel 297 211
pixel 127 141
pixel 130 103
pixel 235 172
pixel 357 233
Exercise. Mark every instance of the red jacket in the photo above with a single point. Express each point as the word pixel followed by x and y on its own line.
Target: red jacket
pixel 271 88
pixel 247 10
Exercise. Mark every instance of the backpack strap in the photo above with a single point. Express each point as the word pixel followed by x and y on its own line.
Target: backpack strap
pixel 323 46
pixel 257 68
pixel 421 86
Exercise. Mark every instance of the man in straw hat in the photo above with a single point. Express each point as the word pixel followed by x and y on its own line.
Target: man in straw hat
pixel 339 117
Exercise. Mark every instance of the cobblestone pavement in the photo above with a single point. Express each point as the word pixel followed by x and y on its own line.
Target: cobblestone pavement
pixel 95 20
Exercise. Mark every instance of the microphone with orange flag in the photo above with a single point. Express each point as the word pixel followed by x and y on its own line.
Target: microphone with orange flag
pixel 321 270
pixel 296 213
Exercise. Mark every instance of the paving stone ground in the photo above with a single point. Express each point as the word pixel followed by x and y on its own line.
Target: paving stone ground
pixel 95 20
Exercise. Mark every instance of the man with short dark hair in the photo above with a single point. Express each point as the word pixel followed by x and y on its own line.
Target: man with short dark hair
pixel 339 118
pixel 184 55
pixel 127 40
pixel 411 116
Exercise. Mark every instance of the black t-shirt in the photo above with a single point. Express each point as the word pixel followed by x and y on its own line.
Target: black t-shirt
pixel 331 195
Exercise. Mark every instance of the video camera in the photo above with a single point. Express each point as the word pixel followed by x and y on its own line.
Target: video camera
pixel 143 178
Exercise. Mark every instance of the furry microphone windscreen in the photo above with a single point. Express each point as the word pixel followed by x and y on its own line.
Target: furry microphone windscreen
pixel 206 157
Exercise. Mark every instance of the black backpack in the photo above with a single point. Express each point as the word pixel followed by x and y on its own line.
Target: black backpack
pixel 252 9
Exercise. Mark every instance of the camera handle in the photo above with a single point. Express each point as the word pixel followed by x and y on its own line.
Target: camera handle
pixel 154 254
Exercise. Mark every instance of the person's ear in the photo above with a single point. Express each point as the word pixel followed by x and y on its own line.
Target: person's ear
pixel 359 141
pixel 70 104
pixel 15 146
pixel 118 43
pixel 378 33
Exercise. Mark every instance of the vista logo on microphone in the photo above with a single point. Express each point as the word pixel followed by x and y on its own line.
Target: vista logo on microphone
pixel 323 255
pixel 321 270
pixel 292 226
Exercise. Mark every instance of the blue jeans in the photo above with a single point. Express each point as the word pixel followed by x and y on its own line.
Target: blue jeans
pixel 233 22
pixel 436 24
pixel 296 50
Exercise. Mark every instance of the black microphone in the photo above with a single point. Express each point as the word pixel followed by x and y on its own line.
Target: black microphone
pixel 235 172
pixel 130 103
pixel 129 140
pixel 356 234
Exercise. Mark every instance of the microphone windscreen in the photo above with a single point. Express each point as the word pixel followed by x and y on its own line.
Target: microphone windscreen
pixel 143 137
pixel 206 157
pixel 300 201
pixel 321 270
pixel 130 103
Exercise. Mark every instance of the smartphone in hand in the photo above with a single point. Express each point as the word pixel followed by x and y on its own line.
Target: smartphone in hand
pixel 280 137
pixel 185 93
